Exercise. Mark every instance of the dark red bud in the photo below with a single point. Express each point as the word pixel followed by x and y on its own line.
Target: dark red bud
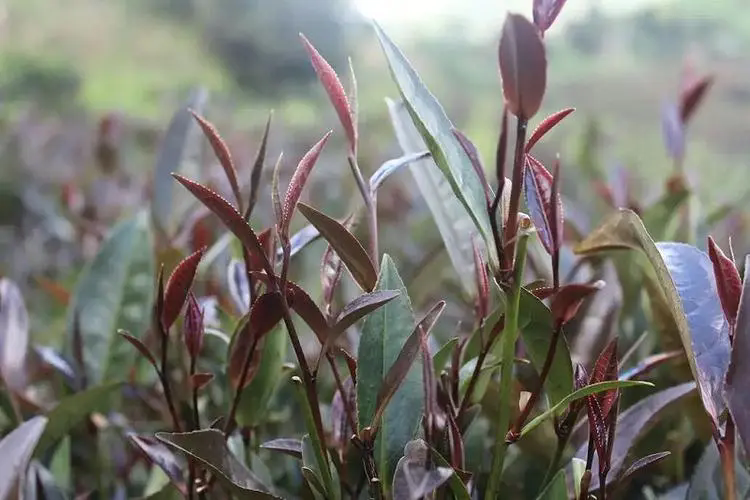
pixel 193 327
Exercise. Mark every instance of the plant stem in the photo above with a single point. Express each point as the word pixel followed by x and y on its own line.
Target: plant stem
pixel 163 377
pixel 511 227
pixel 551 350
pixel 726 451
pixel 240 386
pixel 371 207
pixel 510 335
pixel 348 411
pixel 478 366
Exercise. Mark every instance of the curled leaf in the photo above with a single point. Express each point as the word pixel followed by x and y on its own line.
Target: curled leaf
pixel 523 66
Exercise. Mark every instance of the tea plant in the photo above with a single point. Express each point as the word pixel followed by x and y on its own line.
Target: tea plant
pixel 175 405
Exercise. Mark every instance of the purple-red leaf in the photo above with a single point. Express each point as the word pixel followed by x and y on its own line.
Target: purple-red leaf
pixel 692 95
pixel 538 185
pixel 545 13
pixel 229 216
pixel 161 456
pixel 264 314
pixel 605 369
pixel 568 300
pixel 193 327
pixel 257 170
pixel 178 287
pixel 728 282
pixel 335 91
pixel 643 462
pixel 201 380
pixel 544 127
pixel 136 342
pixel 222 153
pixel 476 162
pixel 649 363
pixel 523 66
pixel 483 282
pixel 346 245
pixel 398 370
pixel 735 386
pixel 297 184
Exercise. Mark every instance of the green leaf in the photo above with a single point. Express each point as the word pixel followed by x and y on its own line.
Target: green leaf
pixel 257 394
pixel 180 152
pixel 60 465
pixel 437 132
pixel 556 489
pixel 16 449
pixel 441 357
pixel 457 486
pixel 115 291
pixel 536 325
pixel 209 448
pixel 454 224
pixel 707 353
pixel 580 393
pixel 384 333
pixel 71 411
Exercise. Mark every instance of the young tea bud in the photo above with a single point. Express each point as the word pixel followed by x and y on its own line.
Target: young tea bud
pixel 193 327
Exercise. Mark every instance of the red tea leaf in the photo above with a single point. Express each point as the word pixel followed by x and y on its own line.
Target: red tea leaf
pixel 268 243
pixel 294 191
pixel 568 300
pixel 346 245
pixel 335 91
pixel 555 215
pixel 399 369
pixel 278 208
pixel 229 216
pixel 605 369
pixel 222 153
pixel 543 292
pixel 692 95
pixel 544 127
pixel 178 287
pixel 257 170
pixel 136 342
pixel 193 327
pixel 483 282
pixel 201 380
pixel 728 281
pixel 545 13
pixel 597 425
pixel 538 188
pixel 523 66
pixel 471 151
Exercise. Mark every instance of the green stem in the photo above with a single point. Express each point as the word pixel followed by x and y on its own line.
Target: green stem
pixel 509 337
pixel 727 453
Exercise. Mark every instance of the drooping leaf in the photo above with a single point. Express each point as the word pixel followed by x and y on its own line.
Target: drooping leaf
pixel 16 448
pixel 72 410
pixel 454 223
pixel 257 395
pixel 14 335
pixel 140 346
pixel 728 281
pixel 178 286
pixel 229 216
pixel 209 448
pixel 685 279
pixel 297 183
pixel 404 361
pixel 558 408
pixel 332 85
pixel 556 489
pixel 634 423
pixel 737 396
pixel 523 66
pixel 221 150
pixel 545 13
pixel 160 455
pixel 292 447
pixel 391 166
pixel 179 152
pixel 436 131
pixel 346 245
pixel 115 291
pixel 545 126
pixel 642 463
pixel 384 334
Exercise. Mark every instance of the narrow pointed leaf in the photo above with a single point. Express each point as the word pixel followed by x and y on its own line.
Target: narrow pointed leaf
pixel 209 448
pixel 278 208
pixel 257 170
pixel 545 126
pixel 158 454
pixel 14 335
pixel 178 286
pixel 441 357
pixel 298 181
pixel 222 153
pixel 605 369
pixel 16 448
pixel 292 447
pixel 538 189
pixel 228 215
pixel 346 245
pixel 201 380
pixel 523 66
pixel 685 279
pixel 114 291
pixel 692 96
pixel 135 342
pixel 332 85
pixel 471 151
pixel 737 395
pixel 433 125
pixel 545 13
pixel 483 283
pixel 642 463
pixel 649 363
pixel 391 166
pixel 728 281
pixel 568 299
pixel 302 238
